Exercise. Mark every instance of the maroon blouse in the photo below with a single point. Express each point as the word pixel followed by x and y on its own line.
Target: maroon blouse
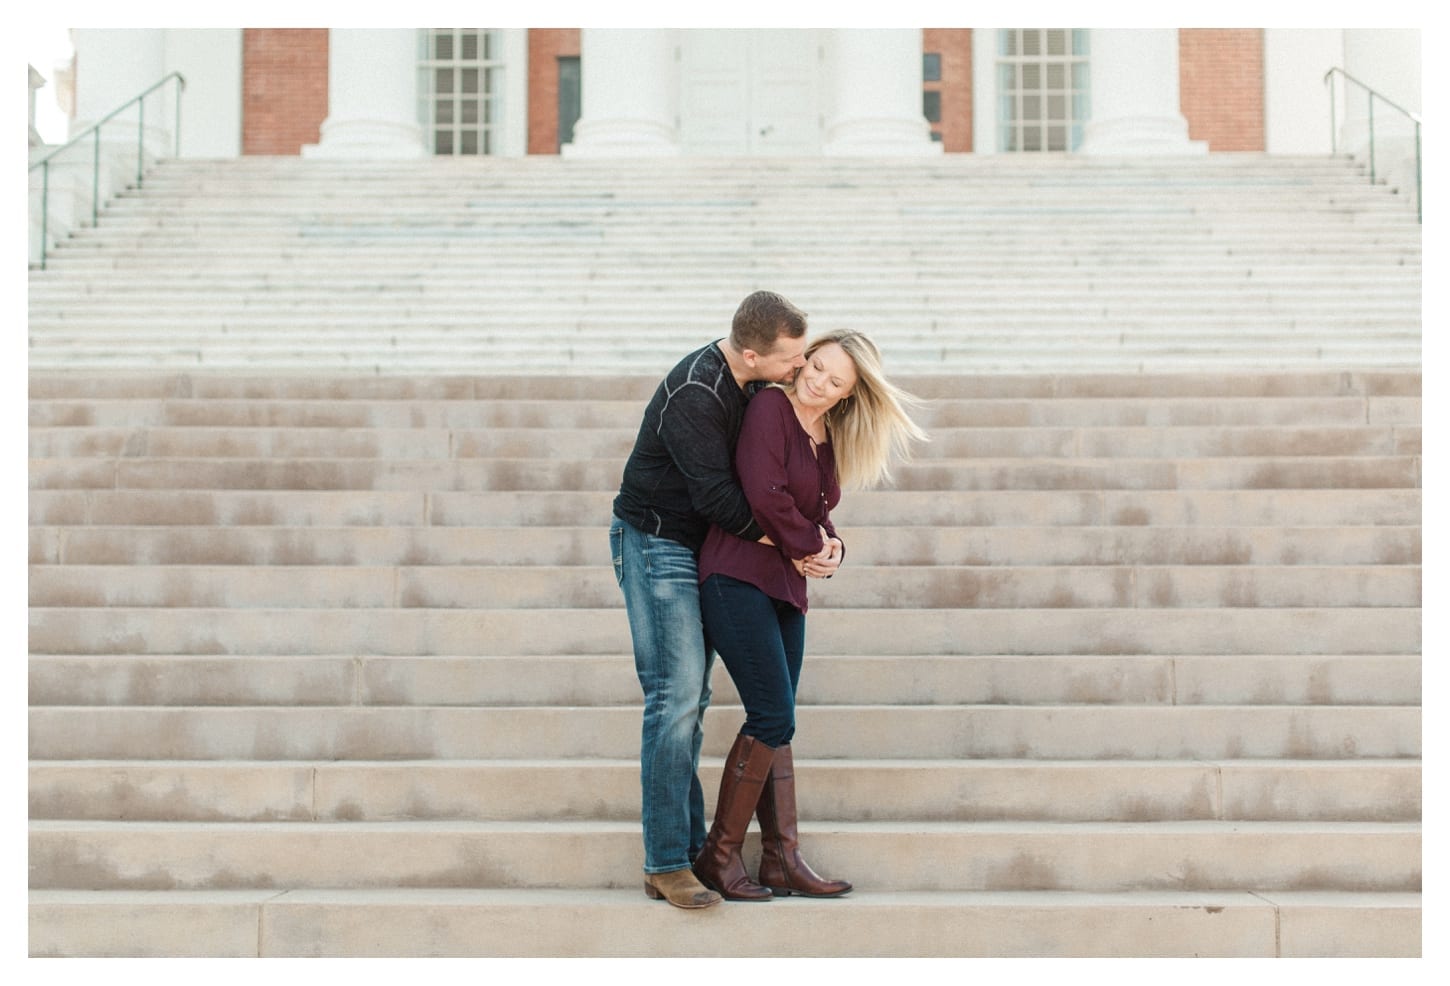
pixel 791 492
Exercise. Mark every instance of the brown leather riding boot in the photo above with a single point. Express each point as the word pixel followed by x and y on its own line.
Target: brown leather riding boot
pixel 781 866
pixel 719 865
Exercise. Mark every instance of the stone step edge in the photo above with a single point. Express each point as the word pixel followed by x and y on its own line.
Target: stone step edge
pixel 546 923
pixel 566 828
pixel 624 657
pixel 815 763
pixel 1321 384
pixel 737 710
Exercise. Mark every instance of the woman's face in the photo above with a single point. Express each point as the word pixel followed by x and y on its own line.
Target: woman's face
pixel 828 376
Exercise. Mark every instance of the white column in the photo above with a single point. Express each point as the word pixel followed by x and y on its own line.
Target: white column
pixel 513 134
pixel 37 81
pixel 372 96
pixel 874 94
pixel 1134 97
pixel 629 91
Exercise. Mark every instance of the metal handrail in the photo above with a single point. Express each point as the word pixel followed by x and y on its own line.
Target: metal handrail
pixel 94 130
pixel 1373 95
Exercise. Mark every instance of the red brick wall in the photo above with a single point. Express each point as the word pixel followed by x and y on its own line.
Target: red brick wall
pixel 1221 86
pixel 955 47
pixel 284 89
pixel 546 46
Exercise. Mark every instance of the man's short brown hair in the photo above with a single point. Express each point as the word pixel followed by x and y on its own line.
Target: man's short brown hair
pixel 761 319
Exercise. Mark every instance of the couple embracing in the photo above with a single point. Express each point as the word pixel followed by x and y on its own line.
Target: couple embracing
pixel 722 516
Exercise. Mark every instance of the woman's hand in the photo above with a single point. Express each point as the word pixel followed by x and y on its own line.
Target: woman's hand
pixel 824 564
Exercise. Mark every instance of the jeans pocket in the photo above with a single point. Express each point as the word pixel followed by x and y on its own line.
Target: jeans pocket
pixel 616 552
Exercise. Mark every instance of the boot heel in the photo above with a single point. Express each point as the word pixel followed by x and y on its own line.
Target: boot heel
pixel 651 892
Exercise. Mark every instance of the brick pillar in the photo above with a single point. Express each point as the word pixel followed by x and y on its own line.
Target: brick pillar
pixel 954 45
pixel 546 47
pixel 1221 86
pixel 284 89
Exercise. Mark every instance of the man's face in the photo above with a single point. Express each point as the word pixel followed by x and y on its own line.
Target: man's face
pixel 781 363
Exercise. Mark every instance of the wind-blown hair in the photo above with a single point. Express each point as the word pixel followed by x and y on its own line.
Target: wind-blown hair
pixel 871 427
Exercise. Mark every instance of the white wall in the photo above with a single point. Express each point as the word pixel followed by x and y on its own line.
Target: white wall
pixel 210 59
pixel 1296 101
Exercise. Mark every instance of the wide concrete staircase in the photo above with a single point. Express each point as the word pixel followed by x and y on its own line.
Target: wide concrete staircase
pixel 327 657
pixel 963 263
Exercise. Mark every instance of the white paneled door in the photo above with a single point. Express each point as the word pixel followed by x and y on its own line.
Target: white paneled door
pixel 750 92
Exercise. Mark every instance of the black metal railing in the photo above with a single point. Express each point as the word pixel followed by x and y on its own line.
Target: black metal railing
pixel 94 133
pixel 1372 96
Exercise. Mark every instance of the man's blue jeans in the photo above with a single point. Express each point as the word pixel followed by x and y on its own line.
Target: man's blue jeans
pixel 673 660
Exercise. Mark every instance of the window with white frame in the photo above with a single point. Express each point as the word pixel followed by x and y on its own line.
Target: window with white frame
pixel 459 89
pixel 1042 88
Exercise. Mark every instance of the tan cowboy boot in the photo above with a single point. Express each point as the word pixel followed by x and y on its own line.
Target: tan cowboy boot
pixel 681 888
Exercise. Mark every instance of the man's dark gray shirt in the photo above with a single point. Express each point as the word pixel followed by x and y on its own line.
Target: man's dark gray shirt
pixel 680 477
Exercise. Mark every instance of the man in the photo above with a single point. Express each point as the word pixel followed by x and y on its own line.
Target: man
pixel 678 480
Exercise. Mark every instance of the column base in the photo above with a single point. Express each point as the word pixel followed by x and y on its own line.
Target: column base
pixel 622 138
pixel 1140 135
pixel 367 140
pixel 880 138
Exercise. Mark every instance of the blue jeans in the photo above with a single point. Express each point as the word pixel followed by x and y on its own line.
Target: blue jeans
pixel 761 640
pixel 673 660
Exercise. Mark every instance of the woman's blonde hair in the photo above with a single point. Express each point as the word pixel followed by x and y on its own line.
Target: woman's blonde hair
pixel 870 427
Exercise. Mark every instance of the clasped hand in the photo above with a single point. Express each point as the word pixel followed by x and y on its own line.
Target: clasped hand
pixel 823 564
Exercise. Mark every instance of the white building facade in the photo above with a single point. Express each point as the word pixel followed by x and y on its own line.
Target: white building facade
pixel 822 91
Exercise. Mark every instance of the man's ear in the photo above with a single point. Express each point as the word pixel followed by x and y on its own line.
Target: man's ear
pixel 750 357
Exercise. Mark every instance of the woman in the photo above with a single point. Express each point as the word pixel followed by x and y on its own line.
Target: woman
pixel 838 424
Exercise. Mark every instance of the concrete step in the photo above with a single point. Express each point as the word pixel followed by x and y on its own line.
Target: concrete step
pixel 500 474
pixel 522 413
pixel 1060 355
pixel 829 679
pixel 1102 857
pixel 562 330
pixel 608 790
pixel 1050 542
pixel 1174 392
pixel 258 630
pixel 1037 732
pixel 955 511
pixel 1006 358
pixel 958 288
pixel 820 220
pixel 475 587
pixel 380 251
pixel 265 295
pixel 578 443
pixel 465 922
